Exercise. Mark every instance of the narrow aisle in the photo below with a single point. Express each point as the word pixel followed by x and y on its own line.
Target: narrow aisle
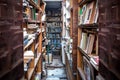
pixel 55 70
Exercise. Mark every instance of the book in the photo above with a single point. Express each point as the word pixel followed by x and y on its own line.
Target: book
pixel 95 60
pixel 90 43
pixel 96 13
pixel 89 11
pixel 29 54
pixel 83 41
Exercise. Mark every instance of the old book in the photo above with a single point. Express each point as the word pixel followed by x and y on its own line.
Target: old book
pixel 88 13
pixel 96 15
pixel 29 54
pixel 83 43
pixel 93 13
pixel 97 46
pixel 95 60
pixel 90 43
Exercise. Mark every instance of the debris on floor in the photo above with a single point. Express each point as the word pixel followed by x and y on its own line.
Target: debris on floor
pixel 55 70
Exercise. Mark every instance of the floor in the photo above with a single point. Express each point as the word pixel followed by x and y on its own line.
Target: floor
pixel 55 70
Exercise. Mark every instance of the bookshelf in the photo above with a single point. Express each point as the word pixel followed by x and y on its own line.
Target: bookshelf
pixel 102 56
pixel 11 49
pixel 87 52
pixel 108 45
pixel 34 33
pixel 53 31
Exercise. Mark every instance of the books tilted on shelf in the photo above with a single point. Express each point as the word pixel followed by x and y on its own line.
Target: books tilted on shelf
pixel 95 60
pixel 82 14
pixel 29 54
pixel 89 12
pixel 97 46
pixel 83 43
pixel 90 43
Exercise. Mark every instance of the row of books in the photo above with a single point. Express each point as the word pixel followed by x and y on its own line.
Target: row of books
pixel 57 29
pixel 53 35
pixel 54 24
pixel 53 13
pixel 30 13
pixel 88 14
pixel 89 43
pixel 53 19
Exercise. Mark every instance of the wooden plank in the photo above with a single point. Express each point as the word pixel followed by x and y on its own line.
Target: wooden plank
pixel 95 66
pixel 29 43
pixel 81 72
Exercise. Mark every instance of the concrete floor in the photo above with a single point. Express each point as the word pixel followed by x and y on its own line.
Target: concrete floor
pixel 55 70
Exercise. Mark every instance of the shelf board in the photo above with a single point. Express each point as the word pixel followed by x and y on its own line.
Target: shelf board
pixel 84 53
pixel 54 38
pixel 54 32
pixel 95 66
pixel 81 72
pixel 84 2
pixel 54 21
pixel 89 26
pixel 34 21
pixel 29 43
pixel 53 16
pixel 34 4
pixel 53 26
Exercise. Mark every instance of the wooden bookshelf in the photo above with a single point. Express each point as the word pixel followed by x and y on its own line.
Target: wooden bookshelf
pixel 53 31
pixel 84 53
pixel 11 40
pixel 68 67
pixel 87 47
pixel 34 30
pixel 31 70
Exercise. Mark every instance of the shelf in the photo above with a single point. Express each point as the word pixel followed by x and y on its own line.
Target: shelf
pixel 84 53
pixel 54 32
pixel 31 70
pixel 81 72
pixel 53 16
pixel 54 27
pixel 34 21
pixel 29 43
pixel 54 21
pixel 34 4
pixel 95 66
pixel 89 26
pixel 88 57
pixel 54 38
pixel 84 2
